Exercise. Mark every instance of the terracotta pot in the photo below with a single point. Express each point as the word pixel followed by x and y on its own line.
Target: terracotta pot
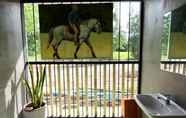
pixel 35 113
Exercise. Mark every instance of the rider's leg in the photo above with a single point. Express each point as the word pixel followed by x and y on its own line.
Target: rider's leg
pixel 66 30
pixel 76 33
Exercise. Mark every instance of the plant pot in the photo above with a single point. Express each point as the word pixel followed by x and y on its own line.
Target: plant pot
pixel 35 113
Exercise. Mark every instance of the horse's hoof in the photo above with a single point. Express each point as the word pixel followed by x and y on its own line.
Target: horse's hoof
pixel 94 56
pixel 54 56
pixel 58 57
pixel 75 56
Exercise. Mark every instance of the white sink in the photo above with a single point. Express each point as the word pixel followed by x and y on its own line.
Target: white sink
pixel 158 108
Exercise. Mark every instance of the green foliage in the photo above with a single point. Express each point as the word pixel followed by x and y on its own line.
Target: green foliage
pixel 32 28
pixel 123 55
pixel 125 45
pixel 35 90
pixel 31 18
pixel 134 36
pixel 119 42
pixel 165 35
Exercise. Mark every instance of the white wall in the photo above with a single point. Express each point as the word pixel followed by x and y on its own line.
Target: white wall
pixel 173 83
pixel 11 59
pixel 151 45
pixel 154 80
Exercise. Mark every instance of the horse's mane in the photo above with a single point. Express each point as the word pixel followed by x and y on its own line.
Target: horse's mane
pixel 89 21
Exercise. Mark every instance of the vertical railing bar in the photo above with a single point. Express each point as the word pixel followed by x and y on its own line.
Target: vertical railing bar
pixel 132 81
pixel 123 80
pixel 50 89
pixel 165 66
pixel 127 79
pixel 68 90
pixel 91 89
pixel 181 69
pixel 102 87
pixel 47 95
pixel 113 90
pixel 55 85
pixel 64 88
pixel 73 97
pixel 77 89
pixel 95 89
pixel 86 89
pixel 118 84
pixel 178 68
pixel 169 67
pixel 100 92
pixel 174 67
pixel 82 91
pixel 183 65
pixel 109 92
pixel 59 90
pixel 104 84
pixel 184 69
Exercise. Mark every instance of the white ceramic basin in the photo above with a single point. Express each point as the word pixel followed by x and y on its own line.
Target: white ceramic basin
pixel 157 108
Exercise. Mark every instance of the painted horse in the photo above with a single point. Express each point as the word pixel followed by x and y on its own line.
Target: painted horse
pixel 62 32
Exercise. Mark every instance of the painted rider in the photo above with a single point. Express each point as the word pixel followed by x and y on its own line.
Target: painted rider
pixel 74 22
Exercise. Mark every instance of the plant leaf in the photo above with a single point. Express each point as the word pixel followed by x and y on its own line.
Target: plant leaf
pixel 36 89
pixel 28 88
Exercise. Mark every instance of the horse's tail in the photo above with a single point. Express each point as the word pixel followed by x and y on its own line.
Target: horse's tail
pixel 50 36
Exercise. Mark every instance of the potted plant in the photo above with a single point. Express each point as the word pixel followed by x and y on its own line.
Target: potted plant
pixel 36 107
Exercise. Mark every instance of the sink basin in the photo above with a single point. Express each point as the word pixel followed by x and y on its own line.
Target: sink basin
pixel 157 108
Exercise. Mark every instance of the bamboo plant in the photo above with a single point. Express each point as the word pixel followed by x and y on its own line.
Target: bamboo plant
pixel 35 90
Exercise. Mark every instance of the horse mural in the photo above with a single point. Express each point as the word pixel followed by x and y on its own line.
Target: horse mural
pixel 60 33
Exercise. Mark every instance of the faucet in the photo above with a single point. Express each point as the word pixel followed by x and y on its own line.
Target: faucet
pixel 167 99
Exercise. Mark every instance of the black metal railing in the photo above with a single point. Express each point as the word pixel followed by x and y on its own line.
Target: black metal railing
pixel 174 66
pixel 88 88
